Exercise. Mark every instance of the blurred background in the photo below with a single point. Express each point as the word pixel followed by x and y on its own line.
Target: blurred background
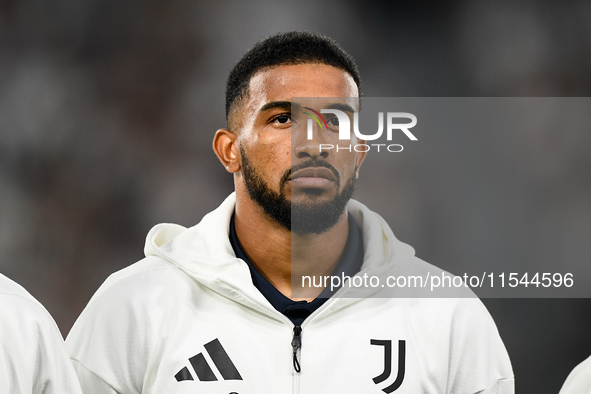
pixel 108 109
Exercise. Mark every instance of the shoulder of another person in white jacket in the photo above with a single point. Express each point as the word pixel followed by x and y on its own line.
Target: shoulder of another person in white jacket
pixel 19 311
pixel 579 380
pixel 34 358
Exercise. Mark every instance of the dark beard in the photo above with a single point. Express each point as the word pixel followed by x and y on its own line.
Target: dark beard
pixel 305 218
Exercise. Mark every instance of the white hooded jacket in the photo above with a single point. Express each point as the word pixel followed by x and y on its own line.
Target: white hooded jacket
pixel 188 319
pixel 33 359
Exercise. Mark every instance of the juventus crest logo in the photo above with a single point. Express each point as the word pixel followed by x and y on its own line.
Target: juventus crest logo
pixel 387 344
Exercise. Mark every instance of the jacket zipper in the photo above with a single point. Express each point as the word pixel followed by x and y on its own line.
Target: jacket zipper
pixel 296 344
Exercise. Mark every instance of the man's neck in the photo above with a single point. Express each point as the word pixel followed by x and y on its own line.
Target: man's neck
pixel 278 254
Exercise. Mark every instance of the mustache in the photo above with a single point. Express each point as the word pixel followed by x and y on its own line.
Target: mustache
pixel 306 164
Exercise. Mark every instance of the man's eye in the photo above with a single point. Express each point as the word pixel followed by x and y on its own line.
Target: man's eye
pixel 282 119
pixel 333 121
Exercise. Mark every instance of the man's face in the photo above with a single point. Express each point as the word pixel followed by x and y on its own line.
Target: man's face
pixel 304 189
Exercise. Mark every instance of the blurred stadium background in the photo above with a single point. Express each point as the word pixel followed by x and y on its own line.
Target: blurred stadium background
pixel 108 109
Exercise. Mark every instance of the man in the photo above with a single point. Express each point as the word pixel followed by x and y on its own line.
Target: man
pixel 212 309
pixel 33 359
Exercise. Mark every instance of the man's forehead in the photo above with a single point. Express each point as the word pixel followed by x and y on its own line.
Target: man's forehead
pixel 282 83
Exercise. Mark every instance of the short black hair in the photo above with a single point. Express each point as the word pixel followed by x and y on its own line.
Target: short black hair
pixel 289 48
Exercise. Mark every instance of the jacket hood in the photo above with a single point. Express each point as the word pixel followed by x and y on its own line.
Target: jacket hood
pixel 204 252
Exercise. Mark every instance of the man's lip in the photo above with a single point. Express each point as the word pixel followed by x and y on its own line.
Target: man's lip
pixel 314 172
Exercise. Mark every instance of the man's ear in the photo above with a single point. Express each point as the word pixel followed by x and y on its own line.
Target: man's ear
pixel 225 146
pixel 360 157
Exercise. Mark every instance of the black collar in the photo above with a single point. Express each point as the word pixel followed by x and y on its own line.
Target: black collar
pixel 297 311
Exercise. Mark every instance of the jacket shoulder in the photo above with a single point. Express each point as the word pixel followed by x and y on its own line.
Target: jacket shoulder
pixel 18 307
pixel 579 380
pixel 114 335
pixel 143 283
pixel 32 348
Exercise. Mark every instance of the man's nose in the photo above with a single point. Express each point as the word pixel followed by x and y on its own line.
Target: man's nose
pixel 308 145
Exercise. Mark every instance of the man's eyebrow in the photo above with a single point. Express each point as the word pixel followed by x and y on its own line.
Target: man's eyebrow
pixel 278 104
pixel 341 107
